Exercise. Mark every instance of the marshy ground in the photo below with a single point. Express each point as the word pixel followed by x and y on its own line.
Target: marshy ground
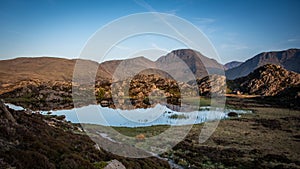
pixel 267 138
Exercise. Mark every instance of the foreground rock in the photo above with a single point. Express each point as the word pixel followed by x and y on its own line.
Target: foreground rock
pixel 48 142
pixel 115 164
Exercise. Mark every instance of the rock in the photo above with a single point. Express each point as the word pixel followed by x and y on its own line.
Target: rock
pixel 140 95
pixel 107 94
pixel 104 103
pixel 115 164
pixel 140 137
pixel 8 115
pixel 232 114
pixel 121 94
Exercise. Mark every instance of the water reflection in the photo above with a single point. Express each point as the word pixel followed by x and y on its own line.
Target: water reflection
pixel 158 115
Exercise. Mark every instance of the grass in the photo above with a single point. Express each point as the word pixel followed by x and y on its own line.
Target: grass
pixel 129 131
pixel 266 138
pixel 198 101
pixel 263 139
pixel 178 116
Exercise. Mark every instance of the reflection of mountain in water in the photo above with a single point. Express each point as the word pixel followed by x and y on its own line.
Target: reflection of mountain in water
pixel 158 115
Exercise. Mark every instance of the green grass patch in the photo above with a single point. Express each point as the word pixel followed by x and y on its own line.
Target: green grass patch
pixel 201 101
pixel 178 116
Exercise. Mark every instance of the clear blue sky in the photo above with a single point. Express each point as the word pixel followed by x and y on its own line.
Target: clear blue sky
pixel 238 29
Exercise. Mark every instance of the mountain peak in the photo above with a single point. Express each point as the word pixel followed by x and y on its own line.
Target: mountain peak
pixel 197 63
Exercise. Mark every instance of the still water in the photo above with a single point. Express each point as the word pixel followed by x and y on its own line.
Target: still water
pixel 158 115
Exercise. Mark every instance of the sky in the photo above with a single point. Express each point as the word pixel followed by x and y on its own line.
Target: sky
pixel 238 29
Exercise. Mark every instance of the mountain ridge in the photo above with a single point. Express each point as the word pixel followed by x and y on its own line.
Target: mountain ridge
pixel 231 65
pixel 61 69
pixel 288 59
pixel 178 63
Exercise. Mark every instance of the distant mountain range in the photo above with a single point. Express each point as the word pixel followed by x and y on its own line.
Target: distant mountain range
pixel 232 64
pixel 288 59
pixel 178 63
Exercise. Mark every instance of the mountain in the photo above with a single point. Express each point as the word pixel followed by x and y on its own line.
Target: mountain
pixel 124 69
pixel 267 80
pixel 232 64
pixel 179 64
pixel 288 59
pixel 43 69
pixel 182 62
pixel 58 69
pixel 110 66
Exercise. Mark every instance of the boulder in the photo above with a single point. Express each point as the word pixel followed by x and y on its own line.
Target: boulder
pixel 232 114
pixel 115 164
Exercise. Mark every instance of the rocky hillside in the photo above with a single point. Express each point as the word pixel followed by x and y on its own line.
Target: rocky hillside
pixel 288 59
pixel 268 80
pixel 147 90
pixel 29 140
pixel 211 85
pixel 231 65
pixel 40 95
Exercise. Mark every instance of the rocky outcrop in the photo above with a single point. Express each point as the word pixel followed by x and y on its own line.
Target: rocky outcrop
pixel 142 91
pixel 115 164
pixel 268 80
pixel 42 96
pixel 7 114
pixel 213 85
